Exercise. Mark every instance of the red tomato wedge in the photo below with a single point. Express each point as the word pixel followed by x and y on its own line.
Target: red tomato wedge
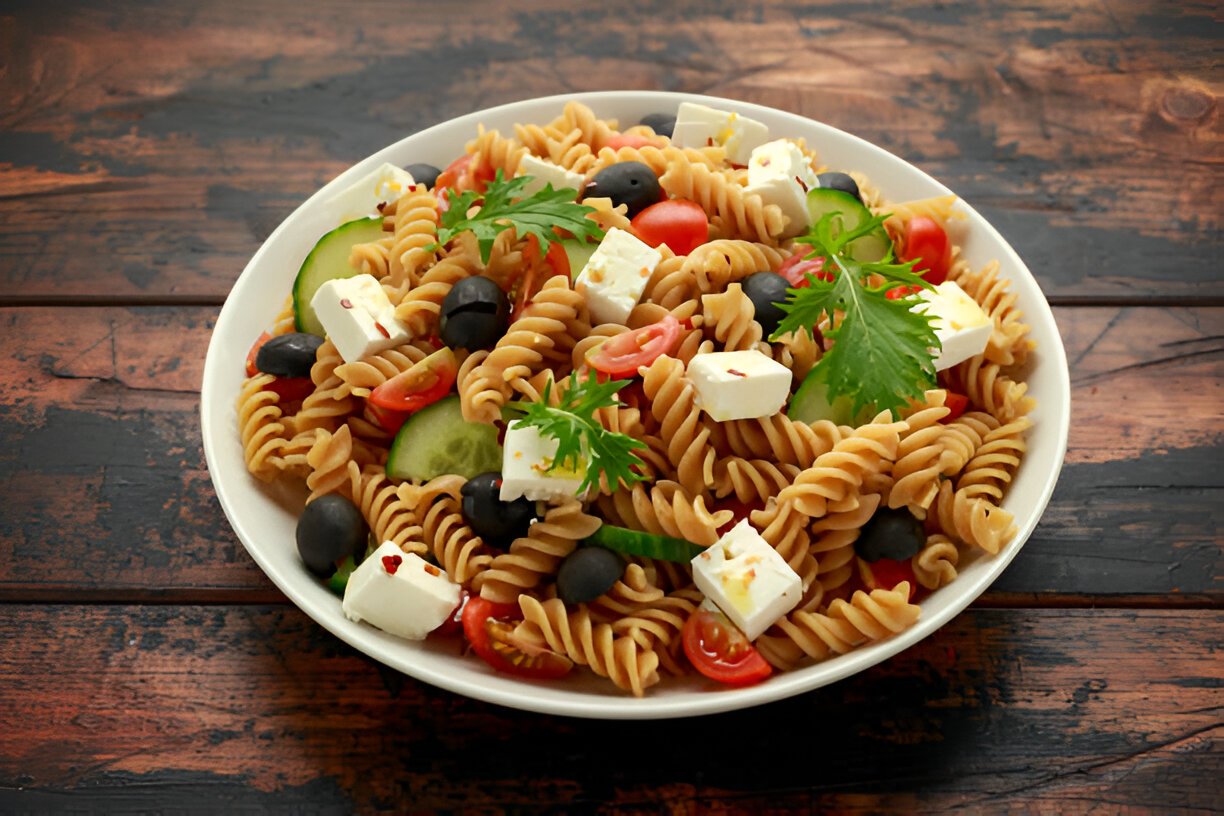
pixel 898 292
pixel 389 420
pixel 886 573
pixel 956 403
pixel 796 268
pixel 486 626
pixel 621 355
pixel 628 140
pixel 425 383
pixel 680 224
pixel 719 650
pixel 927 244
pixel 289 389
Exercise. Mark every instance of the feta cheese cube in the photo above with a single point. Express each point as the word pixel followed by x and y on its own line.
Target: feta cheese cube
pixel 544 173
pixel 615 276
pixel 739 384
pixel 781 175
pixel 400 593
pixel 358 317
pixel 703 126
pixel 526 459
pixel 960 324
pixel 790 197
pixel 381 185
pixel 747 579
pixel 781 158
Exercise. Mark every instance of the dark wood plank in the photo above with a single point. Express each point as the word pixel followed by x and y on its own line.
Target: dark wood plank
pixel 1089 134
pixel 133 708
pixel 100 454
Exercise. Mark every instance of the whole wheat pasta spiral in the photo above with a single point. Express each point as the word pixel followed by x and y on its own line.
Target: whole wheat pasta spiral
pixel 734 212
pixel 262 432
pixel 572 633
pixel 1009 343
pixel 865 617
pixel 731 318
pixel 935 564
pixel 420 307
pixel 389 516
pixel 416 230
pixel 667 509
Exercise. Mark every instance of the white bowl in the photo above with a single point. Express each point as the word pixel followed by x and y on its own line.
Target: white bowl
pixel 264 517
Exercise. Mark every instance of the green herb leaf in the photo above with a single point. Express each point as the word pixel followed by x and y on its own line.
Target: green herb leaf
pixel 881 350
pixel 503 206
pixel 579 435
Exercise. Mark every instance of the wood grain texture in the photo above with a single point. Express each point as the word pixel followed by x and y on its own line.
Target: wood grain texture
pixel 1089 134
pixel 100 451
pixel 151 702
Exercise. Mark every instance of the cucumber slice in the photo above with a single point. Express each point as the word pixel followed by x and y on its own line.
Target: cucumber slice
pixel 811 403
pixel 578 252
pixel 648 545
pixel 329 260
pixel 874 246
pixel 437 440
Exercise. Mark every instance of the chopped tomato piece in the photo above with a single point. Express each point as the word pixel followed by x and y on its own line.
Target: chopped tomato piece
pixel 739 510
pixel 927 245
pixel 621 355
pixel 388 419
pixel 796 268
pixel 628 140
pixel 957 403
pixel 251 370
pixel 898 292
pixel 680 224
pixel 424 384
pixel 886 573
pixel 720 651
pixel 486 626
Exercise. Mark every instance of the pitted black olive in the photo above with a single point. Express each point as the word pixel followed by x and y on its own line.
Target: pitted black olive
pixel 475 314
pixel 423 173
pixel 497 522
pixel 663 124
pixel 587 573
pixel 630 183
pixel 895 534
pixel 288 355
pixel 330 529
pixel 766 290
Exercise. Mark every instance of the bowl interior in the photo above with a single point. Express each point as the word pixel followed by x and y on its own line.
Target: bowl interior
pixel 264 516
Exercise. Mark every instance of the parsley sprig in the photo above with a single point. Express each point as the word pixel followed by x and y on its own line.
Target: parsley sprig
pixel 579 435
pixel 881 350
pixel 503 206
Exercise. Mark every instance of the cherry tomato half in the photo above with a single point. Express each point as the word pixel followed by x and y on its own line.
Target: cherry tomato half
pixel 425 383
pixel 680 224
pixel 927 244
pixel 628 140
pixel 719 650
pixel 796 268
pixel 886 573
pixel 389 420
pixel 485 624
pixel 621 355
pixel 956 403
pixel 898 292
pixel 289 389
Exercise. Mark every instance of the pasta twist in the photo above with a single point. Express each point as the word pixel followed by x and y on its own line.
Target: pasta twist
pixel 438 504
pixel 574 634
pixel 935 564
pixel 416 229
pixel 331 401
pixel 732 211
pixel 1009 344
pixel 920 457
pixel 658 158
pixel 673 402
pixel 832 482
pixel 731 318
pixel 751 480
pixel 996 460
pixel 420 308
pixel 847 624
pixel 666 508
pixel 966 516
pixel 492 152
pixel 988 388
pixel 708 269
pixel 260 426
pixel 833 540
pixel 781 439
pixel 389 516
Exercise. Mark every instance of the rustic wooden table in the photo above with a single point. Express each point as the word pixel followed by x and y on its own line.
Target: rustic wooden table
pixel 146 150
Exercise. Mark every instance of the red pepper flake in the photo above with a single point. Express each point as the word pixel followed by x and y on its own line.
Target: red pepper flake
pixel 380 328
pixel 803 186
pixel 346 303
pixel 432 570
pixel 709 141
pixel 736 372
pixel 765 162
pixel 391 563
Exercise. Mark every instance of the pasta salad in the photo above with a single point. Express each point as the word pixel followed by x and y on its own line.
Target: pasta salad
pixel 641 402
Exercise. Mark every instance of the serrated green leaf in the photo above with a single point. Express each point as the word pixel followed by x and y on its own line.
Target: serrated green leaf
pixel 881 352
pixel 579 434
pixel 503 206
